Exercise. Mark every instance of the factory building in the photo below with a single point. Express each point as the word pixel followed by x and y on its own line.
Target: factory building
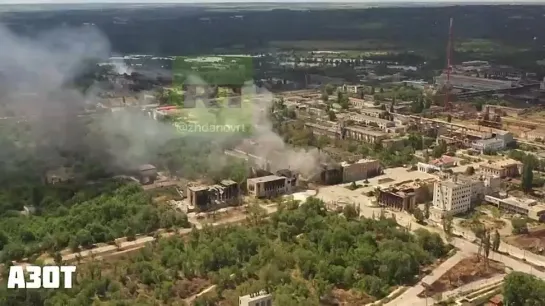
pixel 269 186
pixel 331 174
pixel 473 83
pixel 371 121
pixel 502 168
pixel 256 299
pixel 524 207
pixel 204 198
pixel 360 170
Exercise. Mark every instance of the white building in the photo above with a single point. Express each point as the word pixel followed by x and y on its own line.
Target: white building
pixel 489 145
pixel 450 198
pixel 256 299
pixel 456 195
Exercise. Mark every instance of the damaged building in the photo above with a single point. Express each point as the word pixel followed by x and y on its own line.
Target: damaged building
pixel 205 198
pixel 269 186
pixel 147 174
pixel 331 174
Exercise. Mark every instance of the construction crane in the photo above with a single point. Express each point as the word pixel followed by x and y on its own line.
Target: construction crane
pixel 448 105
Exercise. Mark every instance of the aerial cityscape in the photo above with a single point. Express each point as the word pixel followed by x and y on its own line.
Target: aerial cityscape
pixel 284 154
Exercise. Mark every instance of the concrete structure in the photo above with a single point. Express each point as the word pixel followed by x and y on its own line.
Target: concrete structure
pixel 440 164
pixel 488 145
pixel 256 299
pixel 204 198
pixel 331 174
pixel 450 198
pixel 473 83
pixel 371 121
pixel 537 134
pixel 360 170
pixel 456 195
pixel 353 89
pixel 373 112
pixel 524 207
pixel 267 186
pixel 147 173
pixel 397 199
pixel 502 168
pixel 363 134
pixel 419 84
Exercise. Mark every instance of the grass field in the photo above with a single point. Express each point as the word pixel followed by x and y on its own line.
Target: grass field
pixel 348 47
pixel 483 46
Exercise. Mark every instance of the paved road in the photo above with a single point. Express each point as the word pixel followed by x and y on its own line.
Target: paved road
pixel 410 297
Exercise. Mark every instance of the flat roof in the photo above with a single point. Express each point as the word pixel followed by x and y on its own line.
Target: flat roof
pixel 366 131
pixel 501 164
pixel 359 117
pixel 267 178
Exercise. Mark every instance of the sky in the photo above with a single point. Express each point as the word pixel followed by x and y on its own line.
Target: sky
pixel 256 1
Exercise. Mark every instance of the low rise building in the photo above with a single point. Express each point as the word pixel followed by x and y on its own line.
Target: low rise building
pixel 373 112
pixel 256 299
pixel 353 89
pixel 147 173
pixel 204 198
pixel 60 175
pixel 371 121
pixel 363 134
pixel 439 164
pixel 331 131
pixel 524 207
pixel 267 186
pixel 331 174
pixel 502 168
pixel 489 145
pixel 360 170
pixel 401 199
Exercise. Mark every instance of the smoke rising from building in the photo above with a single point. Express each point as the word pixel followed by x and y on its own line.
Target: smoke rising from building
pixel 36 86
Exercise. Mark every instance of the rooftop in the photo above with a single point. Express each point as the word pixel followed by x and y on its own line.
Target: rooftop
pixel 267 178
pixel 502 164
pixel 365 131
pixel 358 118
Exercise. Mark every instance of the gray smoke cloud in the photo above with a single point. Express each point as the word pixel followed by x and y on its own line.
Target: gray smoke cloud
pixel 35 74
pixel 35 87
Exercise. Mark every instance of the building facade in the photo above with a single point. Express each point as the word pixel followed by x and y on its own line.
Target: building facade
pixel 450 198
pixel 204 198
pixel 269 186
pixel 397 199
pixel 256 299
pixel 502 168
pixel 360 170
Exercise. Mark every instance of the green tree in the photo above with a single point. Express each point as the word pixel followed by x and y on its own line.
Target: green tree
pixel 496 241
pixel 527 177
pixel 418 215
pixel 520 226
pixel 523 289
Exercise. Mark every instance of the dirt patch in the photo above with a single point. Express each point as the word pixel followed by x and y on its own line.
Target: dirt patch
pixel 343 297
pixel 466 271
pixel 534 241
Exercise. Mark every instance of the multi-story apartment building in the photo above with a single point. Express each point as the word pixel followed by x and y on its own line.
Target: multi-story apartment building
pixel 450 198
pixel 456 195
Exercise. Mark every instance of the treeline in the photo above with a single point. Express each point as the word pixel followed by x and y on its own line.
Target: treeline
pixel 301 254
pixel 81 216
pixel 177 30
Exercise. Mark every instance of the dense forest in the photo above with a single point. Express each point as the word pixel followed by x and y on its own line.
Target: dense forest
pixel 175 30
pixel 302 253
